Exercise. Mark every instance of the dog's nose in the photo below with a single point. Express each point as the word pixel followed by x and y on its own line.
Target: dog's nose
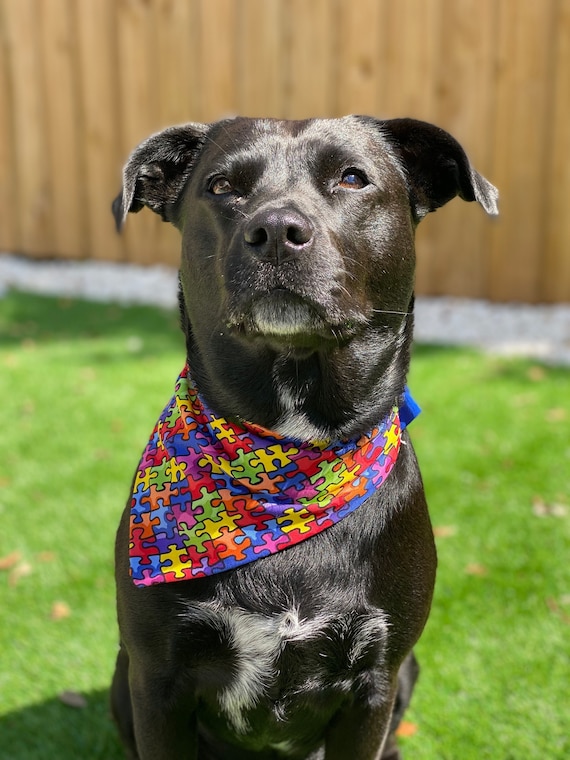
pixel 278 235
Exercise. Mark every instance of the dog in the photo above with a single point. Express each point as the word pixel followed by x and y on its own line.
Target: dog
pixel 266 609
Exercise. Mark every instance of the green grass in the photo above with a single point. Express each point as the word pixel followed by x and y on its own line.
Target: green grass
pixel 81 387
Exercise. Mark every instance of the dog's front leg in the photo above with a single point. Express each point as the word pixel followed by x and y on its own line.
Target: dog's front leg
pixel 165 728
pixel 360 731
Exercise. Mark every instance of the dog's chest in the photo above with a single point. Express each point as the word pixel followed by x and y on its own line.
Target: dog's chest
pixel 276 667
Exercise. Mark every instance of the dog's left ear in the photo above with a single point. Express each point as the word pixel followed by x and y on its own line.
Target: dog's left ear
pixel 157 171
pixel 436 166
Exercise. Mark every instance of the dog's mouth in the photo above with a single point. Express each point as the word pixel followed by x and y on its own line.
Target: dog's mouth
pixel 286 320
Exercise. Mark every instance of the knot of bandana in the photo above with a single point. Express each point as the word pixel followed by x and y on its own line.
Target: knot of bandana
pixel 210 494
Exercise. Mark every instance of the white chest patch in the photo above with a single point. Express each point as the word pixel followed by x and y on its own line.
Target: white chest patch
pixel 257 642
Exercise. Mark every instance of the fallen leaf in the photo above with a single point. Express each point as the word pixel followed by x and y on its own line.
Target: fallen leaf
pixel 523 399
pixel 88 374
pixel 474 568
pixel 22 570
pixel 553 606
pixel 558 414
pixel 406 728
pixel 444 531
pixel 542 509
pixel 134 344
pixel 46 557
pixel 60 611
pixel 73 699
pixel 10 560
pixel 28 407
pixel 536 374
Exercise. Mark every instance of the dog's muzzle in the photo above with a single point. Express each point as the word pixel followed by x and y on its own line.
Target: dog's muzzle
pixel 276 290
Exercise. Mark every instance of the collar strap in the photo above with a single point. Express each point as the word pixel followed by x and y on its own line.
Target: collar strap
pixel 210 495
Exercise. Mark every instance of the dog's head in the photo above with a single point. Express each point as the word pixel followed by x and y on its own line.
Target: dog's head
pixel 297 237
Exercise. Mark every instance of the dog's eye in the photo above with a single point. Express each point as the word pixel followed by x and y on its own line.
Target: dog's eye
pixel 220 186
pixel 352 179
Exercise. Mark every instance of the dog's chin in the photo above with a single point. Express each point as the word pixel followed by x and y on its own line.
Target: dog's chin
pixel 287 322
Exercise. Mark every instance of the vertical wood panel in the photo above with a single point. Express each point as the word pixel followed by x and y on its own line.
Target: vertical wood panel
pixel 82 82
pixel 260 70
pixel 62 128
pixel 176 99
pixel 30 146
pixel 217 71
pixel 96 34
pixel 358 43
pixel 463 85
pixel 412 32
pixel 9 222
pixel 520 135
pixel 555 264
pixel 310 58
pixel 175 58
pixel 138 86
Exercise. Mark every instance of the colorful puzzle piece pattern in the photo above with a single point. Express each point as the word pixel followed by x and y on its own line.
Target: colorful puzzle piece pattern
pixel 210 495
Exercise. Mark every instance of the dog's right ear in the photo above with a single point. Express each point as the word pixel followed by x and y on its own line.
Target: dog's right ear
pixel 157 171
pixel 436 166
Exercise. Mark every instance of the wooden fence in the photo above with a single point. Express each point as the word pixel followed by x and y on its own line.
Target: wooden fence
pixel 82 81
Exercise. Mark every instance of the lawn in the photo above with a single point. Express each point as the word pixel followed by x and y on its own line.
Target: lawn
pixel 82 385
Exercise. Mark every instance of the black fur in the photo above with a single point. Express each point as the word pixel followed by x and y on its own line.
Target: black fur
pixel 296 296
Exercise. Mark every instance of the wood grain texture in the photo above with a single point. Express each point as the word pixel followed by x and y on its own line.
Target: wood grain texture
pixel 81 83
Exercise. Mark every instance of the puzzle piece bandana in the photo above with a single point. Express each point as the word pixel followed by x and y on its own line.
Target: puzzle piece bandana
pixel 210 495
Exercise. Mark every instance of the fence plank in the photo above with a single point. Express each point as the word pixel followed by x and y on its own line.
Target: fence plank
pixel 358 40
pixel 412 39
pixel 261 75
pixel 523 98
pixel 137 87
pixel 96 32
pixel 463 83
pixel 30 148
pixel 218 65
pixel 310 58
pixel 175 58
pixel 69 193
pixel 9 220
pixel 555 271
pixel 82 82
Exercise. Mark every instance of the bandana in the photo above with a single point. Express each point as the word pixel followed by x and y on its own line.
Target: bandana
pixel 210 495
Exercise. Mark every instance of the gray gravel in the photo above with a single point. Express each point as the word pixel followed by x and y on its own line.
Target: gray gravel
pixel 540 332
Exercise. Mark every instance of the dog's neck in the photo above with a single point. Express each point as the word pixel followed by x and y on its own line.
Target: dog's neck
pixel 210 495
pixel 335 394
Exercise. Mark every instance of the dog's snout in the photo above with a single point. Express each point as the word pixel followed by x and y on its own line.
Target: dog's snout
pixel 278 235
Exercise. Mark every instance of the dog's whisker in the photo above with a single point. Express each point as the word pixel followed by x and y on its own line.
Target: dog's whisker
pixel 230 137
pixel 225 152
pixel 388 311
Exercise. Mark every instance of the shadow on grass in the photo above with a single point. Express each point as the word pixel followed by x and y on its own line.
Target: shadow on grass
pixel 51 730
pixel 27 317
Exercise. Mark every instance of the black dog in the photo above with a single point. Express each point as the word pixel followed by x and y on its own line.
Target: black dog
pixel 296 296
